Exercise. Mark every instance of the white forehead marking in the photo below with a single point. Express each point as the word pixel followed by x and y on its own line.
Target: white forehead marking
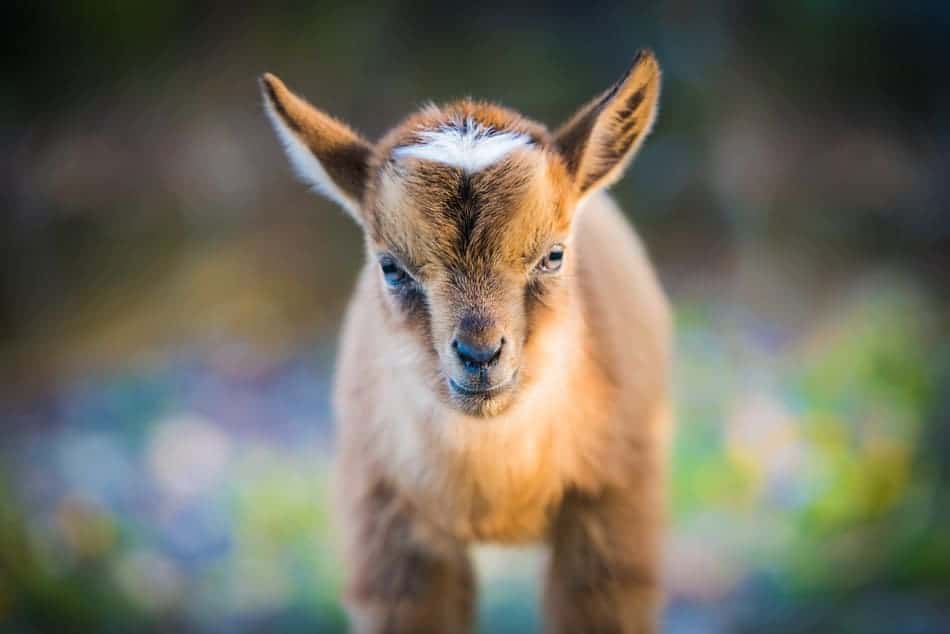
pixel 467 145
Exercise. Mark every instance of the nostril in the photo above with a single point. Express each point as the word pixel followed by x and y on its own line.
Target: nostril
pixel 497 354
pixel 475 356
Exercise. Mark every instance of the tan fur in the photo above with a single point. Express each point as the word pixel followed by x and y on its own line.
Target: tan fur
pixel 573 449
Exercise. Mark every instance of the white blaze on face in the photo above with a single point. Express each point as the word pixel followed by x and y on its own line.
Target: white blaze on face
pixel 468 145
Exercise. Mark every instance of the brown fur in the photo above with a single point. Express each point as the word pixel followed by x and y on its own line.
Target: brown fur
pixel 572 450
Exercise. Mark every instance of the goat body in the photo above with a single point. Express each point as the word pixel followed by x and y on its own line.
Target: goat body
pixel 503 374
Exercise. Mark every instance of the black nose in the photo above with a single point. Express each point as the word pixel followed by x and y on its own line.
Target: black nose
pixel 476 356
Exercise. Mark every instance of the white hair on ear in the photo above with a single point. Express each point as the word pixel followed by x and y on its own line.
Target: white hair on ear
pixel 306 166
pixel 467 145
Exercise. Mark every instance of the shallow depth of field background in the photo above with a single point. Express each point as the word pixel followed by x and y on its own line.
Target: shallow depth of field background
pixel 170 299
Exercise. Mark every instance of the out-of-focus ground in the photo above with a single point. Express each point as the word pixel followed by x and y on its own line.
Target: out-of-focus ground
pixel 170 298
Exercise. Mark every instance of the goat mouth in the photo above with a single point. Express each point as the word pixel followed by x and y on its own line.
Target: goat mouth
pixel 481 392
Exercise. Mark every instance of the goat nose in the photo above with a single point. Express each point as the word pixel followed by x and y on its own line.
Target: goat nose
pixel 475 356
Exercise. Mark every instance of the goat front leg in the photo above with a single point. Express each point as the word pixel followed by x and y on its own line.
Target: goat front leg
pixel 605 563
pixel 404 574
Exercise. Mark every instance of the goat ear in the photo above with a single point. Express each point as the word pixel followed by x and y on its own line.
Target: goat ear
pixel 325 153
pixel 599 141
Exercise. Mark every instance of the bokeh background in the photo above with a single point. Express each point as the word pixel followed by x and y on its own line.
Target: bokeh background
pixel 170 299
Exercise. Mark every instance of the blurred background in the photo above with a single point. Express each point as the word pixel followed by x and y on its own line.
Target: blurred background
pixel 170 299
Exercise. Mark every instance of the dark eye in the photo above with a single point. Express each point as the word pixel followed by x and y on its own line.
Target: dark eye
pixel 394 274
pixel 553 260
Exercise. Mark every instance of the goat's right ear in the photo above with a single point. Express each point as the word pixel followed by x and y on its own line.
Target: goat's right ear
pixel 325 153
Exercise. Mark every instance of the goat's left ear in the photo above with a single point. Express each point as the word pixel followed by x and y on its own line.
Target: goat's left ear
pixel 325 153
pixel 599 141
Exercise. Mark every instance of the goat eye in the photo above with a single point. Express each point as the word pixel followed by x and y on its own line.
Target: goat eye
pixel 394 274
pixel 553 260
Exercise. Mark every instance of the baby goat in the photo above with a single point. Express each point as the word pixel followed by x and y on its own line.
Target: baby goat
pixel 503 369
